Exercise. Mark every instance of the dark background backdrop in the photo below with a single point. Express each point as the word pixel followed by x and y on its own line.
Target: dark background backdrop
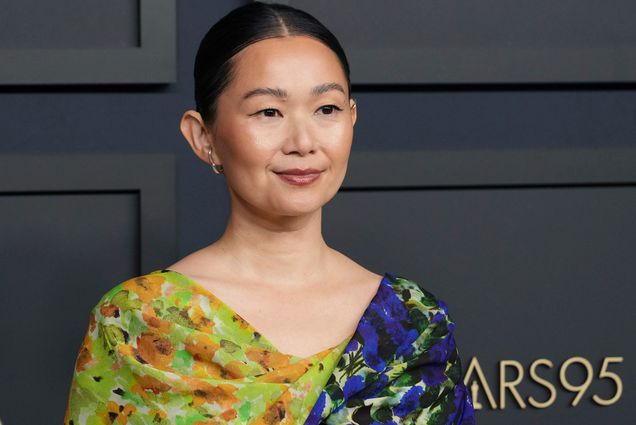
pixel 142 119
pixel 454 226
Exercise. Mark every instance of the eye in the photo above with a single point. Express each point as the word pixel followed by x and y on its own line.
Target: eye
pixel 268 112
pixel 329 109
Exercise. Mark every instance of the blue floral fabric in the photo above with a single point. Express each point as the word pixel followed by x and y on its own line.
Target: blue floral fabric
pixel 400 367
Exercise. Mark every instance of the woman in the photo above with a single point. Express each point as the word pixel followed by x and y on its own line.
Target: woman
pixel 268 324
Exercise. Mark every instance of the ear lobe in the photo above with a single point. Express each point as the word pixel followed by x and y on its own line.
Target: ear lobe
pixel 354 111
pixel 196 133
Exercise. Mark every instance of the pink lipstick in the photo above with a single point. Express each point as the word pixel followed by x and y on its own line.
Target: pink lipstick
pixel 297 176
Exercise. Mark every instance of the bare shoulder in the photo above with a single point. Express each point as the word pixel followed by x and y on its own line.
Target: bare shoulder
pixel 199 264
pixel 354 290
pixel 357 275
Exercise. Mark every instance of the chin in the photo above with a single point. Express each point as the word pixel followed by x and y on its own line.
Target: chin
pixel 297 210
pixel 300 206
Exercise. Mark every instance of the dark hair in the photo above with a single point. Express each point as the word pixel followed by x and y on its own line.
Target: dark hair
pixel 213 66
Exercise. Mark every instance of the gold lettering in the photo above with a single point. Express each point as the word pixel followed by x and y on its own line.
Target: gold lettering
pixel 475 367
pixel 474 394
pixel 541 381
pixel 579 389
pixel 475 379
pixel 503 384
pixel 614 377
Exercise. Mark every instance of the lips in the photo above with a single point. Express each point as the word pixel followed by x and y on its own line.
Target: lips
pixel 298 177
pixel 299 172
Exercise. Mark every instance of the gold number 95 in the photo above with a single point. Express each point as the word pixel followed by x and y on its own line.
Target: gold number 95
pixel 604 373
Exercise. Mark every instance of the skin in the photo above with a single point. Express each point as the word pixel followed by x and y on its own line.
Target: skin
pixel 272 265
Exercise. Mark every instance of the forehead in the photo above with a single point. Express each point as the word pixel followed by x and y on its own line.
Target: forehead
pixel 286 61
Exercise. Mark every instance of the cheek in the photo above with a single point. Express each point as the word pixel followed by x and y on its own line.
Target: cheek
pixel 244 149
pixel 340 141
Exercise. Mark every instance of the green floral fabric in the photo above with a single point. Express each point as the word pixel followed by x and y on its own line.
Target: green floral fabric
pixel 160 349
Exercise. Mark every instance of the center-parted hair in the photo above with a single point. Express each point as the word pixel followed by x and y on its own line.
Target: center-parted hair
pixel 214 65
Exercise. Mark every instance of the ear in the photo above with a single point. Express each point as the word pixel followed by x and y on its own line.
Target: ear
pixel 198 136
pixel 354 110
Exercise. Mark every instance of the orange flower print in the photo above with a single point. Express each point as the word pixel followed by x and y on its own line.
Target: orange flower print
pixel 148 382
pixel 147 288
pixel 155 350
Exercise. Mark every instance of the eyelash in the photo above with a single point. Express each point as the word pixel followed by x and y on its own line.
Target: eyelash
pixel 334 109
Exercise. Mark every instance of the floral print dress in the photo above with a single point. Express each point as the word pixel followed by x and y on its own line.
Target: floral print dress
pixel 162 349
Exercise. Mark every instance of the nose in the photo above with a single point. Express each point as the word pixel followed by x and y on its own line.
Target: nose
pixel 300 139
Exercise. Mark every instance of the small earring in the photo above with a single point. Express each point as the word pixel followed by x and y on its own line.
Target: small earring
pixel 218 169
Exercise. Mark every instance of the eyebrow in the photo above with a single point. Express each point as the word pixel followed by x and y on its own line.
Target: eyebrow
pixel 282 94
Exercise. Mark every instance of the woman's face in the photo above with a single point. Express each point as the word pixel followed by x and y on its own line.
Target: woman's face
pixel 287 107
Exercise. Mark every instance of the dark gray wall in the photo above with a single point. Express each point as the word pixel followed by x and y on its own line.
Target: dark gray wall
pixel 490 41
pixel 29 24
pixel 71 227
pixel 144 119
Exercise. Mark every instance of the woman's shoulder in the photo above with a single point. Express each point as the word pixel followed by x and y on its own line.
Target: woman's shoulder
pixel 418 298
pixel 414 287
pixel 161 286
pixel 162 299
pixel 398 292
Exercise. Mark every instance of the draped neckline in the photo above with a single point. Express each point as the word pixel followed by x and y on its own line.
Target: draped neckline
pixel 262 337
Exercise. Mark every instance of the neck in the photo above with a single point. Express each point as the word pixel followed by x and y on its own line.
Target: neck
pixel 286 251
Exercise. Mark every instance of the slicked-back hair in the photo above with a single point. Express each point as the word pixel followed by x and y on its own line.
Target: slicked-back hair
pixel 245 25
